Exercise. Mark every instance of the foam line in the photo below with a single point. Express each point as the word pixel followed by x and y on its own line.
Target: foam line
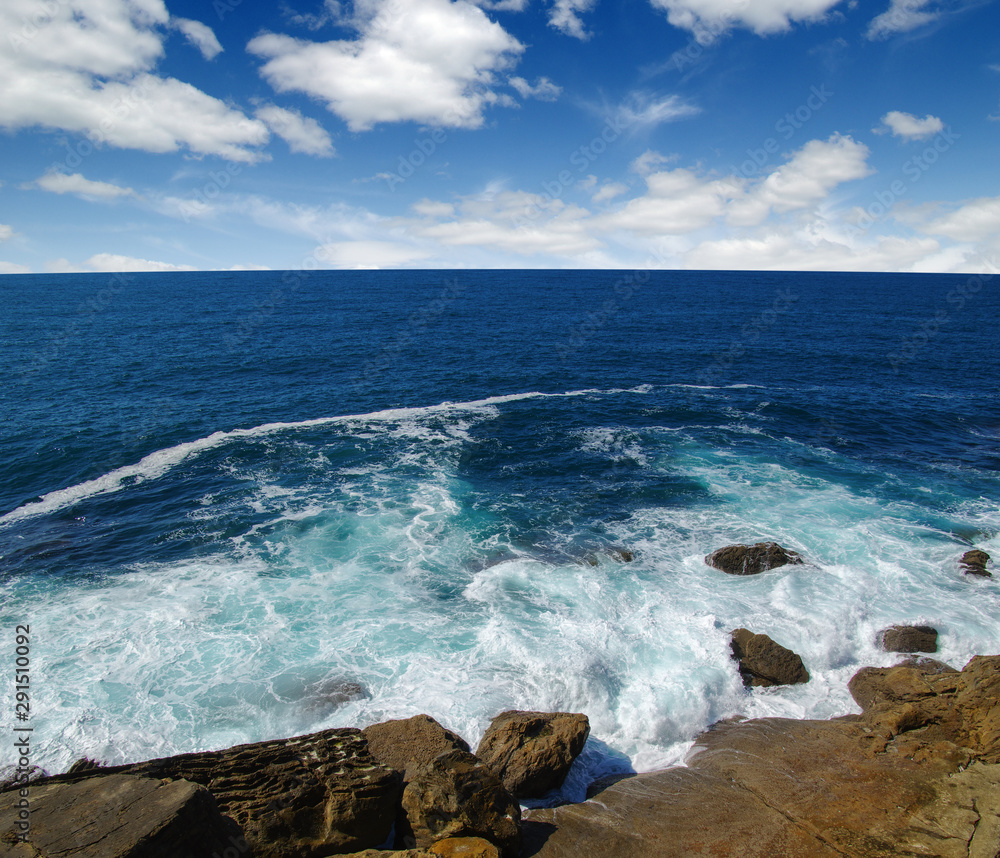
pixel 157 464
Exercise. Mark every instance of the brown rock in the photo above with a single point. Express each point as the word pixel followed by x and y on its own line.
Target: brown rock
pixel 411 742
pixel 312 795
pixel 917 774
pixel 908 639
pixel 762 662
pixel 751 559
pixel 974 563
pixel 531 752
pixel 457 796
pixel 119 816
pixel 464 847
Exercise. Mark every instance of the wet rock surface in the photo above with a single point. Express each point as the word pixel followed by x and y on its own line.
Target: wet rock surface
pixel 752 559
pixel 918 773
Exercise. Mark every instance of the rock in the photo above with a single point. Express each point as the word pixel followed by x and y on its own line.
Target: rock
pixel 531 752
pixel 762 662
pixel 464 847
pixel 974 563
pixel 410 743
pixel 751 559
pixel 120 816
pixel 84 764
pixel 457 796
pixel 908 639
pixel 917 774
pixel 601 784
pixel 312 795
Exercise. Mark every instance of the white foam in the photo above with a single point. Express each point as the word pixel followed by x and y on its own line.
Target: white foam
pixel 157 464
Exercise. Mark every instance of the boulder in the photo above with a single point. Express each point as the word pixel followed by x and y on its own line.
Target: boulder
pixel 410 743
pixel 455 795
pixel 464 847
pixel 908 639
pixel 531 752
pixel 974 563
pixel 917 774
pixel 314 795
pixel 751 559
pixel 119 816
pixel 762 662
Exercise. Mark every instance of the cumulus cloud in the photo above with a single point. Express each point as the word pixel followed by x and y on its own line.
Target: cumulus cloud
pixel 708 19
pixel 13 268
pixel 199 35
pixel 6 232
pixel 84 66
pixel 301 133
pixel 431 61
pixel 75 183
pixel 544 90
pixel 110 262
pixel 565 17
pixel 977 220
pixel 909 127
pixel 804 181
pixel 901 17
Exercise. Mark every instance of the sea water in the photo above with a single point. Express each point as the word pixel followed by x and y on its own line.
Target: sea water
pixel 241 506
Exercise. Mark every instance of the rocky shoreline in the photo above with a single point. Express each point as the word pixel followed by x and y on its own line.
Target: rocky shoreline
pixel 916 773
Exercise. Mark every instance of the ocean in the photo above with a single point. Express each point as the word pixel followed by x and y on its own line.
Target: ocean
pixel 245 505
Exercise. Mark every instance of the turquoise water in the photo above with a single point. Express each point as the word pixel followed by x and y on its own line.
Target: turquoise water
pixel 241 506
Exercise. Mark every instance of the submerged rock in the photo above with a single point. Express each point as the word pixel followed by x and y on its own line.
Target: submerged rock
pixel 752 559
pixel 455 795
pixel 321 794
pixel 762 662
pixel 917 774
pixel 974 563
pixel 531 752
pixel 908 639
pixel 119 816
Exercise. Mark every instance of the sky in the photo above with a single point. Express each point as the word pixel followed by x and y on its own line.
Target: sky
pixel 162 135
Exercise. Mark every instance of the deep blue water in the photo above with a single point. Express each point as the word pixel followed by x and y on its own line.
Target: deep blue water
pixel 225 498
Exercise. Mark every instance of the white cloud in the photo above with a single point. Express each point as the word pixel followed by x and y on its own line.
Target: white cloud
pixel 609 192
pixel 13 268
pixel 114 262
pixel 909 127
pixel 6 232
pixel 369 254
pixel 432 208
pixel 83 66
pixel 544 90
pixel 565 17
pixel 75 183
pixel 641 111
pixel 301 133
pixel 804 181
pixel 802 250
pixel 901 17
pixel 977 220
pixel 429 61
pixel 199 35
pixel 708 19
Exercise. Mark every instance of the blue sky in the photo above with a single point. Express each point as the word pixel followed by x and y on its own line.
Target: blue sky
pixel 758 134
